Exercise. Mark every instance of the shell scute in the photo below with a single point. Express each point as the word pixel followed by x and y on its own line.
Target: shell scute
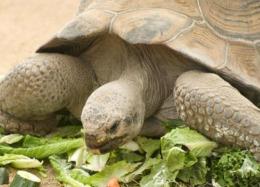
pixel 149 26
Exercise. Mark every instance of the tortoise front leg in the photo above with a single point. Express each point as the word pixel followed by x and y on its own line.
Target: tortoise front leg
pixel 215 108
pixel 42 85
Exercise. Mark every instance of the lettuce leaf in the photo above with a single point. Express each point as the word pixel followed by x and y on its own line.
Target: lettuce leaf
pixel 80 175
pixel 33 141
pixel 79 156
pixel 196 174
pixel 61 168
pixel 148 145
pixel 96 162
pixel 183 158
pixel 117 170
pixel 197 144
pixel 131 146
pixel 160 176
pixel 147 165
pixel 11 138
pixel 20 161
pixel 43 151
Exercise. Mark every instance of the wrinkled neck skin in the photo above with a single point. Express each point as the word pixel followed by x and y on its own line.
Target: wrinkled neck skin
pixel 147 78
pixel 135 80
pixel 153 69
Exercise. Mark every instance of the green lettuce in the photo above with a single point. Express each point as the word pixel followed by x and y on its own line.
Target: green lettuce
pixel 123 154
pixel 33 141
pixel 43 151
pixel 78 156
pixel 117 170
pixel 148 145
pixel 147 165
pixel 131 146
pixel 160 176
pixel 80 175
pixel 11 138
pixel 19 161
pixel 196 174
pixel 96 162
pixel 197 144
pixel 183 159
pixel 62 170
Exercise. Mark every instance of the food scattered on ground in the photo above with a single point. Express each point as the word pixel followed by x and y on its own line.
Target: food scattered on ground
pixel 182 157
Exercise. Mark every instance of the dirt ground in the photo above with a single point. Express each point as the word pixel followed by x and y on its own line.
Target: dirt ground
pixel 26 24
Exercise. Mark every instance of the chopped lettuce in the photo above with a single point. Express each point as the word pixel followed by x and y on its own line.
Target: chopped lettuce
pixel 147 165
pixel 123 154
pixel 148 145
pixel 179 158
pixel 96 162
pixel 11 138
pixel 174 158
pixel 196 174
pixel 131 146
pixel 79 156
pixel 19 161
pixel 160 176
pixel 183 158
pixel 80 175
pixel 44 151
pixel 33 141
pixel 117 170
pixel 61 168
pixel 196 143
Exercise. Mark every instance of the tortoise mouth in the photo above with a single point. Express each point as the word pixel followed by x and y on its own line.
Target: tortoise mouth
pixel 104 146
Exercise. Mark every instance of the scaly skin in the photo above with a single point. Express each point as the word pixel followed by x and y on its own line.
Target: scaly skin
pixel 215 108
pixel 44 84
pixel 34 127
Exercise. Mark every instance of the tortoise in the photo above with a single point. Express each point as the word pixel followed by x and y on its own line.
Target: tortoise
pixel 122 67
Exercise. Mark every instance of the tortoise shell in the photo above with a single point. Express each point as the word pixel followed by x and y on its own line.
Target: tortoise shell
pixel 222 35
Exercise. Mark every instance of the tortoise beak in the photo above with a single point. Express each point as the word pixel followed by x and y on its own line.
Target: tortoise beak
pixel 101 145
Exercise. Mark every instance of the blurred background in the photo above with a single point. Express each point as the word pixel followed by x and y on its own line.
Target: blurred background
pixel 26 24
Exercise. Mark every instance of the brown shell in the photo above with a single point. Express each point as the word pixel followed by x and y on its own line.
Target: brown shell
pixel 223 35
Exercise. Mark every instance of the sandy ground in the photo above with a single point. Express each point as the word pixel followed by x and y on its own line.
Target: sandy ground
pixel 24 26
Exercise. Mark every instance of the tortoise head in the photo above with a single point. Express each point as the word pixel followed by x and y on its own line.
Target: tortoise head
pixel 113 114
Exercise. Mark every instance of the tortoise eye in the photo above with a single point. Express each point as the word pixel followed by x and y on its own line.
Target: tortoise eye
pixel 114 126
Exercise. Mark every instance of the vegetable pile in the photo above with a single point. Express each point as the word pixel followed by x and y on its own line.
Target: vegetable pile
pixel 182 157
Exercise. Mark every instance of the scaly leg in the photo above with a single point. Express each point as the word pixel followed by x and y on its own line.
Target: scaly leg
pixel 215 108
pixel 42 85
